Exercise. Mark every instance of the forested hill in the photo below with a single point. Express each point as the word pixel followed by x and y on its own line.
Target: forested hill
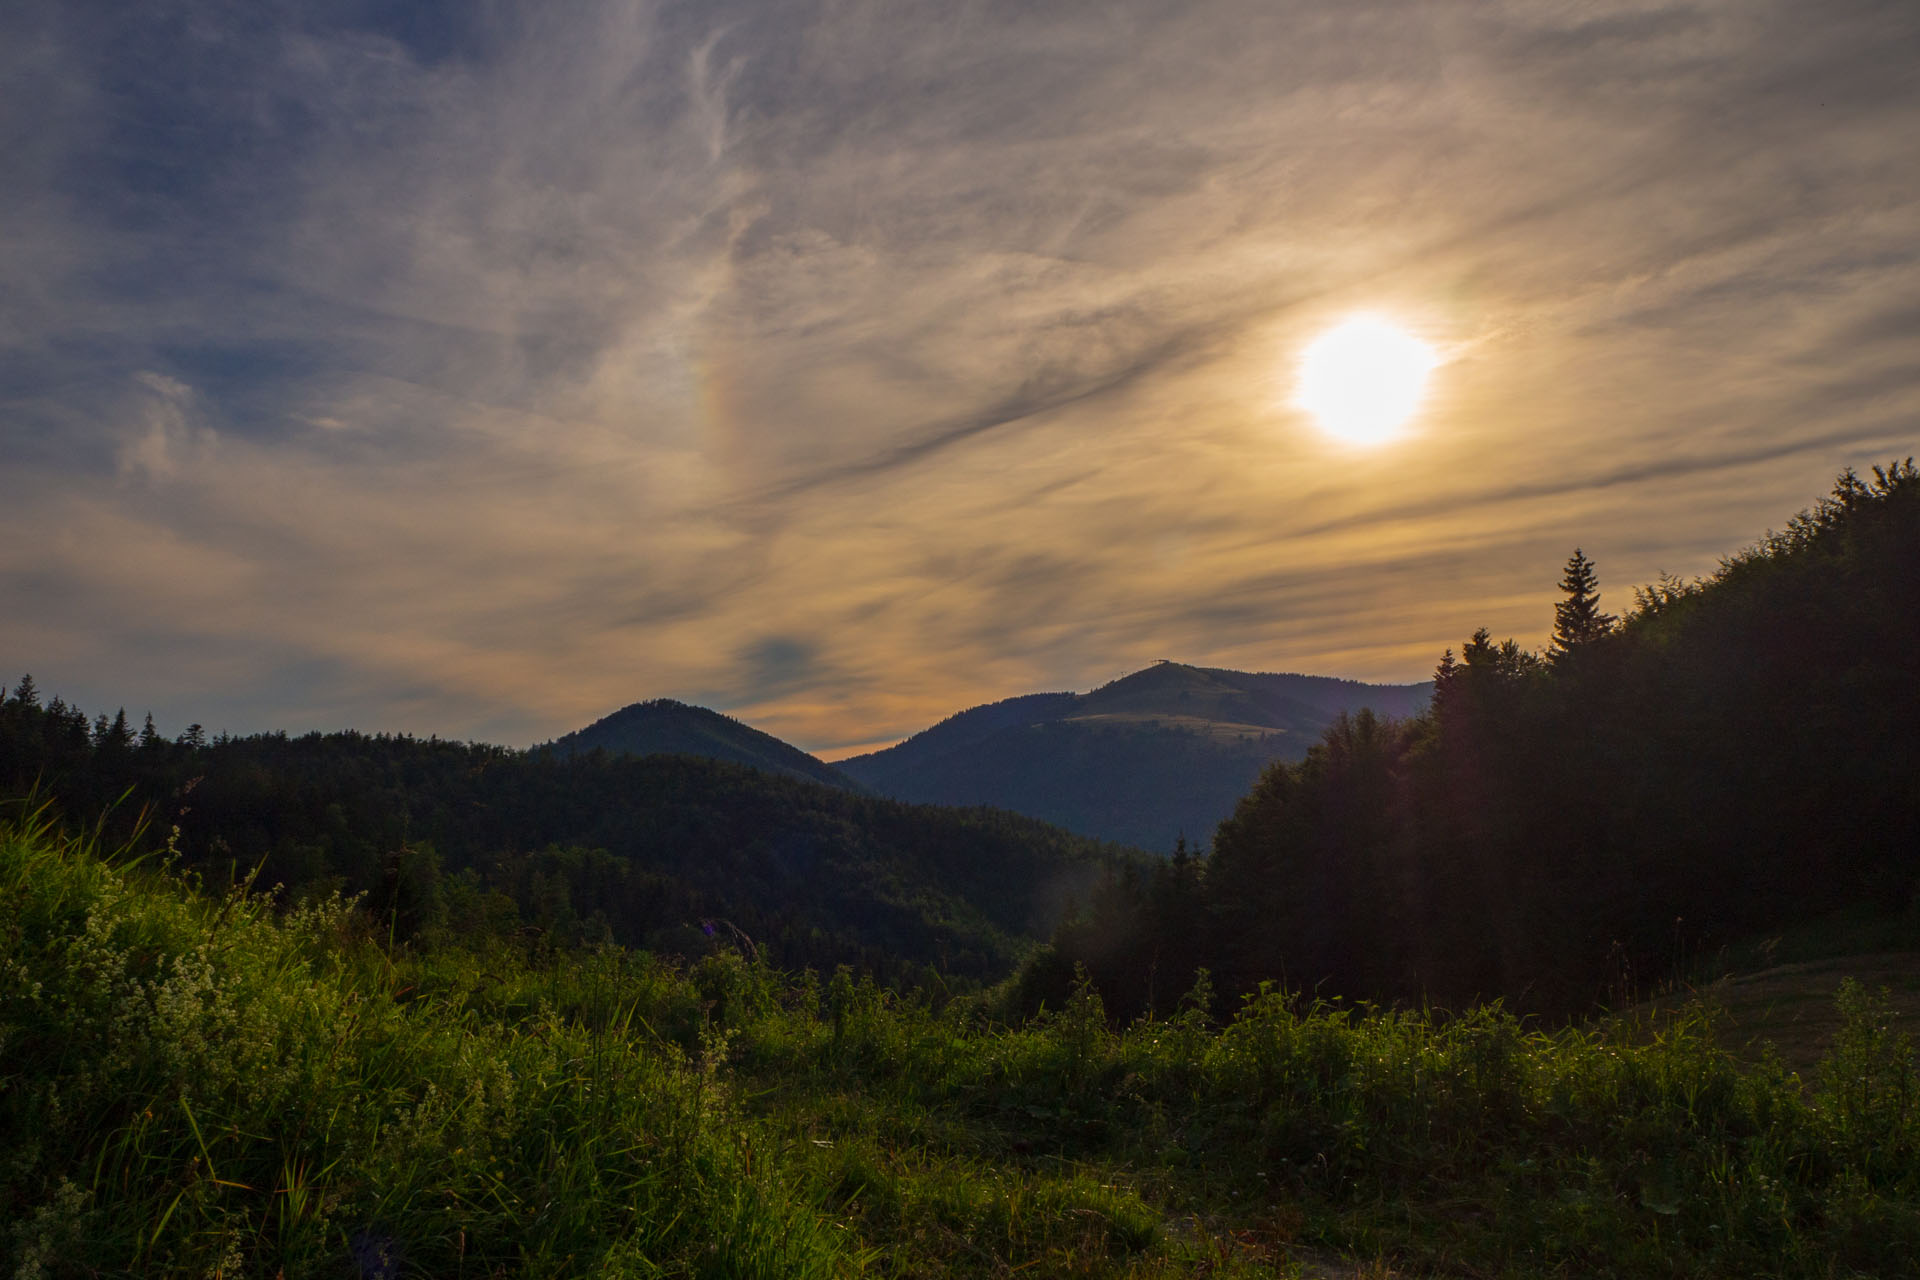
pixel 666 727
pixel 1736 755
pixel 652 852
pixel 1151 758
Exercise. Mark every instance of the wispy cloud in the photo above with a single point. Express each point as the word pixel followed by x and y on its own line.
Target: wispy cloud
pixel 843 364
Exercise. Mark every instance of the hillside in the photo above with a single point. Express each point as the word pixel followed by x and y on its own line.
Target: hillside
pixel 1732 758
pixel 1154 757
pixel 669 852
pixel 666 727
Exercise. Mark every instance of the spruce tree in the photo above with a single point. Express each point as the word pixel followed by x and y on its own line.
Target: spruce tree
pixel 26 693
pixel 1577 620
pixel 1443 677
pixel 119 734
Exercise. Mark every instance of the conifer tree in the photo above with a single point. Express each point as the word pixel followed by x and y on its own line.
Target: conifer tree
pixel 1577 620
pixel 119 734
pixel 1479 651
pixel 26 693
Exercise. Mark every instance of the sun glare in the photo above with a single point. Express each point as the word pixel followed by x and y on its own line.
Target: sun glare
pixel 1361 380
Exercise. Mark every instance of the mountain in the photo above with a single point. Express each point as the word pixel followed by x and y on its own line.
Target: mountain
pixel 666 852
pixel 666 727
pixel 1155 756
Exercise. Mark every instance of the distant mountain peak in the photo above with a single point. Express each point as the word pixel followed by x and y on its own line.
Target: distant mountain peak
pixel 1158 752
pixel 664 726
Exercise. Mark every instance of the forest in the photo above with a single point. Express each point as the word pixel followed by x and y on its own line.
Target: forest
pixel 1733 755
pixel 666 852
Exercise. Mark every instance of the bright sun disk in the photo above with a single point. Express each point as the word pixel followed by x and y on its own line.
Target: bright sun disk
pixel 1361 380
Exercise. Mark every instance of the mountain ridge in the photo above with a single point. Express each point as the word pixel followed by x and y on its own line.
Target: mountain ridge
pixel 1151 758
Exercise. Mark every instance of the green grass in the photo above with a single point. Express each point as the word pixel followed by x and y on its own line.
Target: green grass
pixel 1469 1144
pixel 208 1086
pixel 192 1086
pixel 1843 935
pixel 1775 993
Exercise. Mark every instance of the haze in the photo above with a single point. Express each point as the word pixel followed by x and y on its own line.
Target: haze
pixel 841 365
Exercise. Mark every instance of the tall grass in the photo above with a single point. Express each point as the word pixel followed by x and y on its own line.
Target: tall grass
pixel 1471 1142
pixel 211 1085
pixel 194 1086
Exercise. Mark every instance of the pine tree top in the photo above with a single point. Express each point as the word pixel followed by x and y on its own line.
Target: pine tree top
pixel 1577 620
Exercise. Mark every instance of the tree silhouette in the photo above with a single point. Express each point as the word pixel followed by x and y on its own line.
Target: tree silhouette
pixel 1577 620
pixel 119 735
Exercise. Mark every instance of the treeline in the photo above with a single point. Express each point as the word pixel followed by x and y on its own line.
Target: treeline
pixel 667 853
pixel 1735 755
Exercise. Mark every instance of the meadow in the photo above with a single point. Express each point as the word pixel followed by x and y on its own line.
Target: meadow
pixel 213 1083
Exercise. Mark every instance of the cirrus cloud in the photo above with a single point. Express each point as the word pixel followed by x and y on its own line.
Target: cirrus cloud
pixel 843 364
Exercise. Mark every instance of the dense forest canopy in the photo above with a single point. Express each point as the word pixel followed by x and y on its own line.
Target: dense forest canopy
pixel 1733 755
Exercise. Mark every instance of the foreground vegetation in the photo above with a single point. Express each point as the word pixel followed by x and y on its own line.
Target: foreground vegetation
pixel 205 1083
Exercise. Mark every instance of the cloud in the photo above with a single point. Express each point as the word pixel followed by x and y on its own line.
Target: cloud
pixel 166 436
pixel 773 667
pixel 487 369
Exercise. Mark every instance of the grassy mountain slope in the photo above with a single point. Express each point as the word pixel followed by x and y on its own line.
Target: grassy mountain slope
pixel 666 727
pixel 1285 702
pixel 1158 755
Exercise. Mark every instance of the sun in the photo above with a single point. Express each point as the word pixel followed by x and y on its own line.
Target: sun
pixel 1362 379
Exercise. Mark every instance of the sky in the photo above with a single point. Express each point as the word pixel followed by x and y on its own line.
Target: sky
pixel 476 369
